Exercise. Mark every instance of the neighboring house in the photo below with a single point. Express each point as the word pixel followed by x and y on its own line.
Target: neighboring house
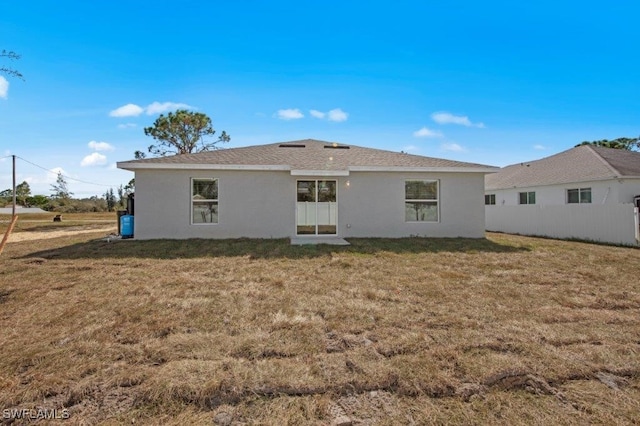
pixel 587 192
pixel 308 190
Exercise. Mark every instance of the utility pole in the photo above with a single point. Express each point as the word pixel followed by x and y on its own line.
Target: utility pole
pixel 13 210
pixel 14 217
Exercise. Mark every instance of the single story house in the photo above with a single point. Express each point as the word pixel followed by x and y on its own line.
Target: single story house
pixel 306 190
pixel 587 192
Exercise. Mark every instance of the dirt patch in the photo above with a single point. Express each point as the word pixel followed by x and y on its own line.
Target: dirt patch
pixel 42 235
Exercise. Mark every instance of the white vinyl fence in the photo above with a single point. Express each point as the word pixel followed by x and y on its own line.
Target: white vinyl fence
pixel 607 223
pixel 326 213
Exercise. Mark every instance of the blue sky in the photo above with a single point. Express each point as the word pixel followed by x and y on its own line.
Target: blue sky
pixel 489 82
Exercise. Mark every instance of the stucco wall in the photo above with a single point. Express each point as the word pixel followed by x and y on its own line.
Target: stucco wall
pixel 251 204
pixel 373 205
pixel 606 192
pixel 262 205
pixel 629 188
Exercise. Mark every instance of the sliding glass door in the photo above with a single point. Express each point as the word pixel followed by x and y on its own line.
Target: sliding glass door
pixel 316 207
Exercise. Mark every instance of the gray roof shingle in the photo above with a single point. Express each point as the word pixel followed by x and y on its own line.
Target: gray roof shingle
pixel 579 164
pixel 310 154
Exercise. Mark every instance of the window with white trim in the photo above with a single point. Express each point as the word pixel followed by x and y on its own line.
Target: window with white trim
pixel 579 195
pixel 421 200
pixel 526 197
pixel 204 201
pixel 490 199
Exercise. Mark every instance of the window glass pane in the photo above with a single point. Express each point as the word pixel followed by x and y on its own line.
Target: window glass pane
pixel 585 195
pixel 493 199
pixel 420 190
pixel 205 212
pixel 421 211
pixel 205 189
pixel 572 196
pixel 523 197
pixel 306 190
pixel 487 199
pixel 532 198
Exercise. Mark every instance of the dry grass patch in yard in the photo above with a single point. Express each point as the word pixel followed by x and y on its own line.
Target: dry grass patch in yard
pixel 508 330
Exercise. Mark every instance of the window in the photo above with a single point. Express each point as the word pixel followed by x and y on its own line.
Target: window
pixel 527 197
pixel 579 195
pixel 490 199
pixel 204 201
pixel 421 200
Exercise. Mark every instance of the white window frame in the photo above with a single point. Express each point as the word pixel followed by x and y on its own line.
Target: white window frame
pixel 405 200
pixel 580 191
pixel 528 203
pixel 192 180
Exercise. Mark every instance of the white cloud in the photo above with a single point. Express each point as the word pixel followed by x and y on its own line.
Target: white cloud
pixel 448 118
pixel 133 110
pixel 158 107
pixel 289 114
pixel 94 159
pixel 317 114
pixel 4 87
pixel 427 133
pixel 410 148
pixel 127 125
pixel 337 115
pixel 128 110
pixel 539 147
pixel 100 146
pixel 452 147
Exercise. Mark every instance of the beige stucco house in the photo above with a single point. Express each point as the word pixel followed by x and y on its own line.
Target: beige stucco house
pixel 307 190
pixel 587 193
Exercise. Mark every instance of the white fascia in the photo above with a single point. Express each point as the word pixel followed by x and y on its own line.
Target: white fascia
pixel 188 166
pixel 319 172
pixel 424 169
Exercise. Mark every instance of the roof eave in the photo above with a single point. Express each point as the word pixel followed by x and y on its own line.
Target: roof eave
pixel 479 169
pixel 189 166
pixel 131 166
pixel 574 182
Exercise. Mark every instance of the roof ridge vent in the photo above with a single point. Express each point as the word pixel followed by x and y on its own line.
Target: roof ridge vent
pixel 292 145
pixel 336 146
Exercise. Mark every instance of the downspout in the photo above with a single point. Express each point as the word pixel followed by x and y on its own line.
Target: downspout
pixel 606 195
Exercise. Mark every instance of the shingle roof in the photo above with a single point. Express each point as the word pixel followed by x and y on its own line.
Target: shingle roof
pixel 579 164
pixel 307 154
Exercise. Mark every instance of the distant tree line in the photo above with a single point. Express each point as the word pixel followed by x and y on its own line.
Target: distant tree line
pixel 628 144
pixel 61 198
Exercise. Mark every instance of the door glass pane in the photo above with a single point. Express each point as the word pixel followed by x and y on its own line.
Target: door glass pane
pixel 306 207
pixel 326 207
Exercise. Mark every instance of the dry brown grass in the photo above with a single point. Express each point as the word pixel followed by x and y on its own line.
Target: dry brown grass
pixel 511 330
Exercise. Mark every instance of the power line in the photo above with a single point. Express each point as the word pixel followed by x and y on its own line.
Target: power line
pixel 65 176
